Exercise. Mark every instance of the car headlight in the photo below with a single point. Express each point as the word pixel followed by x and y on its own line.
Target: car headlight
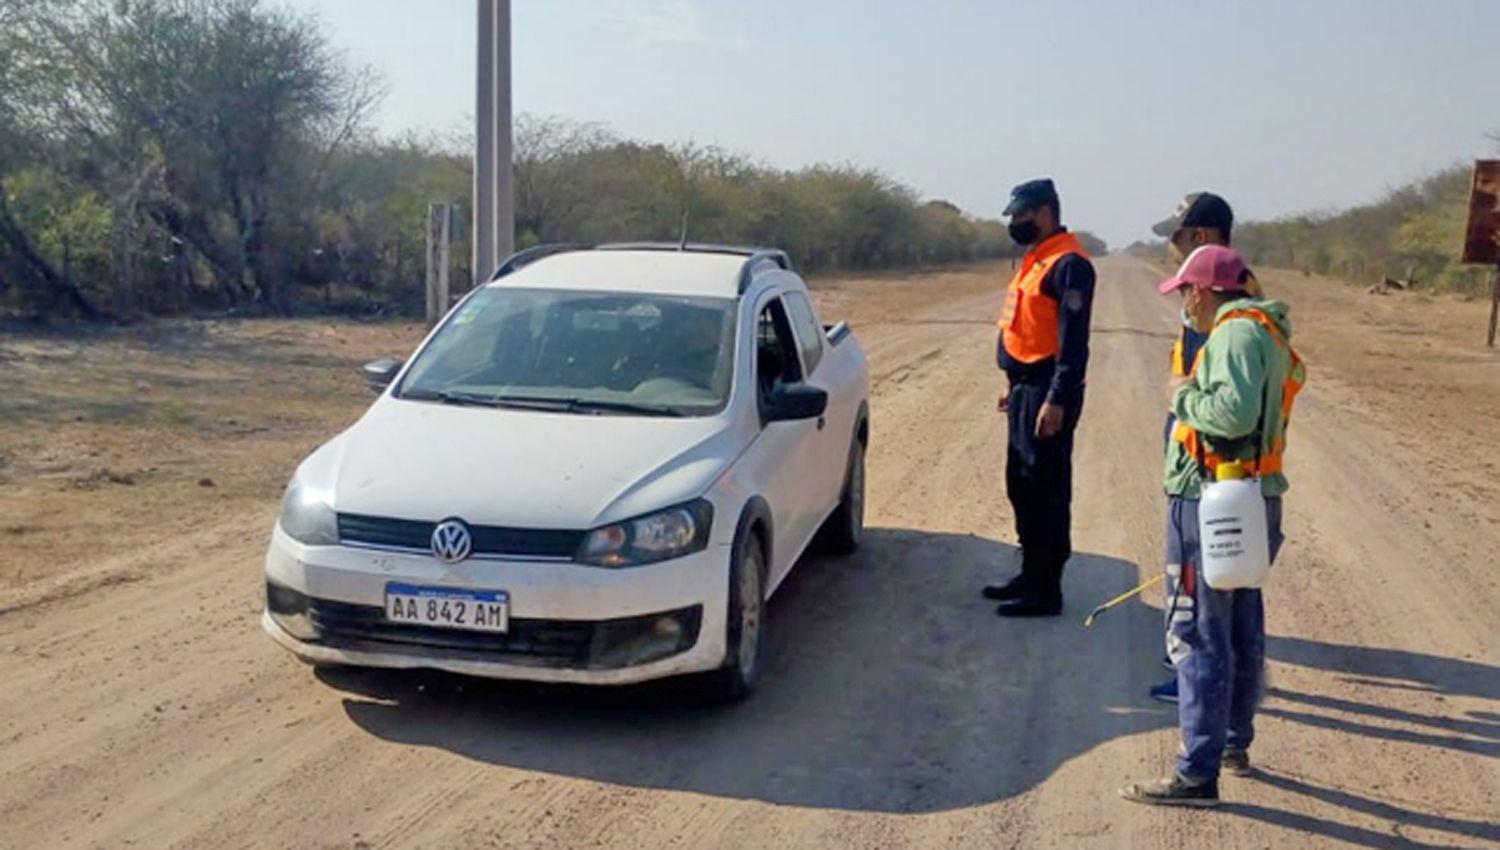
pixel 671 533
pixel 307 517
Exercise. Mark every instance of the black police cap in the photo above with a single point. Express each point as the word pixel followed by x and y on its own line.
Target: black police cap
pixel 1030 195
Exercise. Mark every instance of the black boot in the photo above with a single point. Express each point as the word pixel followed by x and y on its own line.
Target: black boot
pixel 1032 606
pixel 1013 589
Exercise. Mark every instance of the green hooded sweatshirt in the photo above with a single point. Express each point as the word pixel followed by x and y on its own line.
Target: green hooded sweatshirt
pixel 1239 376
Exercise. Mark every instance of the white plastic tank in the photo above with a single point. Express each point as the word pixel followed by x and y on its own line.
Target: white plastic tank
pixel 1232 529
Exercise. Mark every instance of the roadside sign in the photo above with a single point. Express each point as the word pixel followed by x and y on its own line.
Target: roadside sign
pixel 1482 239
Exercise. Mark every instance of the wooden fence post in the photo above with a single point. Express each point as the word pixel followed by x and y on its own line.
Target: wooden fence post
pixel 1494 304
pixel 439 236
pixel 446 211
pixel 431 260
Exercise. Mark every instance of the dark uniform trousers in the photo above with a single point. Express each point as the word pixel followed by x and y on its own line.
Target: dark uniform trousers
pixel 1039 484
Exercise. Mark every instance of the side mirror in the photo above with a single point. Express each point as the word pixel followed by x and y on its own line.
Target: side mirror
pixel 379 373
pixel 791 402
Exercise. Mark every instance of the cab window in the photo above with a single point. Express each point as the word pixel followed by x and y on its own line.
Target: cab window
pixel 809 334
pixel 775 352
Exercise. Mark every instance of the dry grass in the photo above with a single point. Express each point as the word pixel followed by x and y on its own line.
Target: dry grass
pixel 111 437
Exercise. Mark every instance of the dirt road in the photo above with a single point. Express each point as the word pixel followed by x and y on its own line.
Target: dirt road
pixel 140 705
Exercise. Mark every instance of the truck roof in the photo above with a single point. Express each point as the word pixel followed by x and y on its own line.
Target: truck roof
pixel 722 271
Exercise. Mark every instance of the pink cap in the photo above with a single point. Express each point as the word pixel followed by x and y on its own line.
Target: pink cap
pixel 1210 267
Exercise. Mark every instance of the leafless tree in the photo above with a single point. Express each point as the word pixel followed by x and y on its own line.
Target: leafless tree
pixel 548 156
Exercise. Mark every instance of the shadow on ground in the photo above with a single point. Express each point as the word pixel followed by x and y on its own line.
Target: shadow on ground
pixel 1401 819
pixel 1471 731
pixel 1465 731
pixel 890 686
pixel 1392 668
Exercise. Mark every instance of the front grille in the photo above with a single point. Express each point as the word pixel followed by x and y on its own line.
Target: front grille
pixel 582 644
pixel 488 539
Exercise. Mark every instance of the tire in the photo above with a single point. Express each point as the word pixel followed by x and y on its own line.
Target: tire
pixel 745 624
pixel 845 527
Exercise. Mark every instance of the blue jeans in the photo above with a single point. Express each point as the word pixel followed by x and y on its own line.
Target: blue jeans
pixel 1217 641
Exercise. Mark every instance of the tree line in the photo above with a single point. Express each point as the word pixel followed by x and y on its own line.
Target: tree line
pixel 1415 232
pixel 166 156
pixel 157 154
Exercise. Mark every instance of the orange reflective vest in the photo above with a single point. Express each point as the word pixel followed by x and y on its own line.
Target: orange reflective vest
pixel 1264 463
pixel 1028 326
pixel 1179 356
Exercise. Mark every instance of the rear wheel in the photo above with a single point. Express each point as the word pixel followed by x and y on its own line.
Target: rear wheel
pixel 845 527
pixel 745 620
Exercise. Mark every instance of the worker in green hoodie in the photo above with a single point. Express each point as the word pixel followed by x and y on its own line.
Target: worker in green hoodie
pixel 1232 407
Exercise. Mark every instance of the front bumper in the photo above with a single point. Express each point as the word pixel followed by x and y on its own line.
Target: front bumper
pixel 569 623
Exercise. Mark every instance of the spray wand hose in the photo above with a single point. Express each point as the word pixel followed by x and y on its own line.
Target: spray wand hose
pixel 1126 596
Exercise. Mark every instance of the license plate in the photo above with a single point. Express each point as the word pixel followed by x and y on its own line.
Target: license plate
pixel 448 608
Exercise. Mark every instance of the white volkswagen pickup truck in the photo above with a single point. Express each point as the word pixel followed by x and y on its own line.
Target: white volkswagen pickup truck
pixel 596 469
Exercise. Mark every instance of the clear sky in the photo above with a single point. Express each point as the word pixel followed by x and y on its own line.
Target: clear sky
pixel 1280 105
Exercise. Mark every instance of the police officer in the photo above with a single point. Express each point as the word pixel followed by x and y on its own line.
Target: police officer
pixel 1044 351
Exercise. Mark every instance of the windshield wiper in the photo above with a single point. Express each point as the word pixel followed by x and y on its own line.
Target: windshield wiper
pixel 587 405
pixel 626 407
pixel 546 403
pixel 451 397
pixel 526 402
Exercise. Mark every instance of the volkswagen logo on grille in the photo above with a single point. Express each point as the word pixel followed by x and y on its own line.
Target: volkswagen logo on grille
pixel 451 541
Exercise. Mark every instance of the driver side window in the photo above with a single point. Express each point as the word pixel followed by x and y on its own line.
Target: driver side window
pixel 775 352
pixel 809 334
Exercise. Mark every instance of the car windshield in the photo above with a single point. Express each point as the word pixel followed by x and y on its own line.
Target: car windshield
pixel 581 351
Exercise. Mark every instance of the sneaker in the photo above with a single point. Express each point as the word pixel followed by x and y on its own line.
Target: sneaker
pixel 1165 692
pixel 1236 761
pixel 1173 791
pixel 1007 592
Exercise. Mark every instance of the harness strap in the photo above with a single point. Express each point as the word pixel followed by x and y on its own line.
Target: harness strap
pixel 1291 386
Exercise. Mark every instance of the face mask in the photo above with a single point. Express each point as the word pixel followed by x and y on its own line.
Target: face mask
pixel 1188 315
pixel 1187 321
pixel 1023 232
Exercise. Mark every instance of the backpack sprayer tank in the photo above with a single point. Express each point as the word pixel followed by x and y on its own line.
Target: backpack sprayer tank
pixel 1232 528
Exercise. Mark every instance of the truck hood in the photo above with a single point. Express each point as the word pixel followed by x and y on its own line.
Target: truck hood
pixel 520 469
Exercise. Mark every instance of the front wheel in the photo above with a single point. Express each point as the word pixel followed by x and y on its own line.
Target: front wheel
pixel 745 620
pixel 846 525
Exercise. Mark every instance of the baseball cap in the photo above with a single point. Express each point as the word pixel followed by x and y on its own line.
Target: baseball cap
pixel 1030 195
pixel 1211 267
pixel 1200 209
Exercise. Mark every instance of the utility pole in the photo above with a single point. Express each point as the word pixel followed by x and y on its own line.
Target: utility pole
pixel 505 193
pixel 484 145
pixel 494 197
